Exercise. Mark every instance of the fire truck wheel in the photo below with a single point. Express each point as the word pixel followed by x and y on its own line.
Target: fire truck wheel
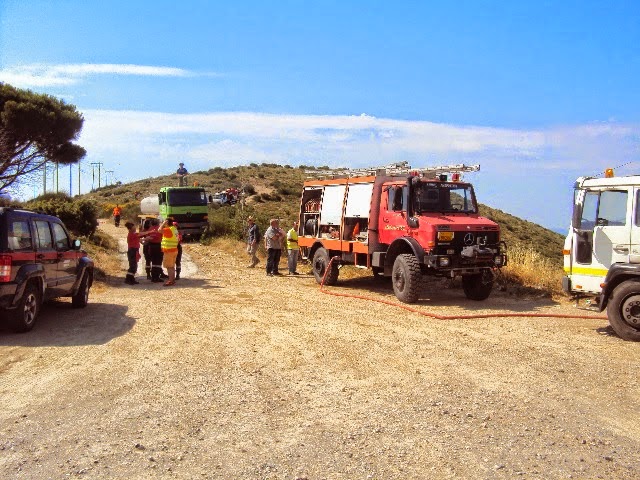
pixel 319 264
pixel 477 286
pixel 406 278
pixel 623 310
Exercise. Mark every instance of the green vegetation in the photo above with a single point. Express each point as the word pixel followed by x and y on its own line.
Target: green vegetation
pixel 34 129
pixel 80 215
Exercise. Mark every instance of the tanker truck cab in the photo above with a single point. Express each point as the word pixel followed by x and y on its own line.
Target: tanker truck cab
pixel 602 249
pixel 187 206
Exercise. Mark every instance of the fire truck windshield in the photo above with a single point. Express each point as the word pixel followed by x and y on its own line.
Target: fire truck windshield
pixel 184 198
pixel 444 197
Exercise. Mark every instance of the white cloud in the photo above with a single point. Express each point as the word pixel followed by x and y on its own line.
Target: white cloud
pixel 243 137
pixel 43 75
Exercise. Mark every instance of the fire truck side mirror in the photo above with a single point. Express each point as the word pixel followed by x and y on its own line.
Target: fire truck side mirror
pixel 413 222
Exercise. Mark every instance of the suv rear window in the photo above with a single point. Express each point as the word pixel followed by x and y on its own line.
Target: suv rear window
pixel 19 235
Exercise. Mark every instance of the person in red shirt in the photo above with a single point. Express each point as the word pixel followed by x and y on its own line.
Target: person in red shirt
pixel 133 253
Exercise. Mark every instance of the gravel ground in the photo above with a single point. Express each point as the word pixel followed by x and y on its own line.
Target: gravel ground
pixel 233 374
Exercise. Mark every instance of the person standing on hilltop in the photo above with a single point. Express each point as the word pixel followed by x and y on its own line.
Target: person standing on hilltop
pixel 273 243
pixel 252 241
pixel 182 173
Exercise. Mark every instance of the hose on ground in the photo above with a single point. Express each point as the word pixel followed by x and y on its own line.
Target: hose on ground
pixel 448 317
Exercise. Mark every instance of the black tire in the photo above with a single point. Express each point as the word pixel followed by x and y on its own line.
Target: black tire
pixel 478 286
pixel 81 298
pixel 319 266
pixel 406 278
pixel 623 310
pixel 23 318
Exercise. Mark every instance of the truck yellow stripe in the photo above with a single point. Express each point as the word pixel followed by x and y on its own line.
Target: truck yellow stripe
pixel 589 271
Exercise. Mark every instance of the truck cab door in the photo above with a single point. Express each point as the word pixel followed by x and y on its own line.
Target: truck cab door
pixel 602 236
pixel 634 253
pixel 393 214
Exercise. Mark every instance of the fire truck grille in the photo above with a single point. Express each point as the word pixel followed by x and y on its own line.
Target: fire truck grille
pixel 466 239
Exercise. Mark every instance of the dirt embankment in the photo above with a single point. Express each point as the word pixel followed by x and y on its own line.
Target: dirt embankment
pixel 233 374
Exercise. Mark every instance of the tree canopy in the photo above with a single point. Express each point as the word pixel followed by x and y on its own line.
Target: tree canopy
pixel 34 129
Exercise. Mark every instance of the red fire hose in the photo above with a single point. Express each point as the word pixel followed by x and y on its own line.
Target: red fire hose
pixel 448 317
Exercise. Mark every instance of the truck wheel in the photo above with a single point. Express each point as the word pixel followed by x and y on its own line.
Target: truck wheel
pixel 319 264
pixel 81 299
pixel 23 318
pixel 406 278
pixel 478 286
pixel 623 311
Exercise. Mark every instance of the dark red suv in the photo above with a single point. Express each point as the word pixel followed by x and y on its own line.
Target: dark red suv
pixel 38 261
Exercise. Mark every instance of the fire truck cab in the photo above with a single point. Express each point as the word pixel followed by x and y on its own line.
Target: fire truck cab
pixel 602 249
pixel 401 223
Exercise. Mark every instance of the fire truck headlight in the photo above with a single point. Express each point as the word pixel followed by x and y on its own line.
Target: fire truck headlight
pixel 445 236
pixel 498 260
pixel 444 261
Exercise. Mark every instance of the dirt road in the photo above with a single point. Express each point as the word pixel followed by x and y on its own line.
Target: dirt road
pixel 233 374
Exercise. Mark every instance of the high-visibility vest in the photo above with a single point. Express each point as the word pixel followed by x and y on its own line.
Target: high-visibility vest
pixel 292 240
pixel 169 243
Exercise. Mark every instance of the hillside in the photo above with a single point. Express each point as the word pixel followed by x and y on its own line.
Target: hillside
pixel 275 192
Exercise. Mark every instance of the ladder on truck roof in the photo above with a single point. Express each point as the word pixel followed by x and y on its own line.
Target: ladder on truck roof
pixel 392 170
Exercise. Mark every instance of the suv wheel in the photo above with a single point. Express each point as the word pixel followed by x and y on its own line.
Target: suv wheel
pixel 23 318
pixel 81 299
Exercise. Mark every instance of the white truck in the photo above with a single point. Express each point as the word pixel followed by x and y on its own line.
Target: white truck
pixel 602 249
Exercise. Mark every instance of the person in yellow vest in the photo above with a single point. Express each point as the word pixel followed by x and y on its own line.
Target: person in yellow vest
pixel 293 249
pixel 169 245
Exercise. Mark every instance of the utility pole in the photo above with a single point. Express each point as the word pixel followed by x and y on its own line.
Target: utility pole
pixel 44 178
pixel 99 165
pixel 78 177
pixel 107 174
pixel 70 177
pixel 57 179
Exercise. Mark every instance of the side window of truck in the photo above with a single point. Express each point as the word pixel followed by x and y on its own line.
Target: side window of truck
pixel 589 211
pixel 613 208
pixel 395 199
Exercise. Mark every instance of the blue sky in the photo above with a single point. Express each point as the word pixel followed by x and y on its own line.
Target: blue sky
pixel 537 92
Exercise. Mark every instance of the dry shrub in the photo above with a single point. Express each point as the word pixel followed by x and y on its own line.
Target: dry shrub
pixel 529 268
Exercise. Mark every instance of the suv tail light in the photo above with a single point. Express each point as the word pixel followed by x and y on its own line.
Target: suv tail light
pixel 5 268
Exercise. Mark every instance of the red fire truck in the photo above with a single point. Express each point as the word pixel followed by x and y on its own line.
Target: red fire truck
pixel 402 223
